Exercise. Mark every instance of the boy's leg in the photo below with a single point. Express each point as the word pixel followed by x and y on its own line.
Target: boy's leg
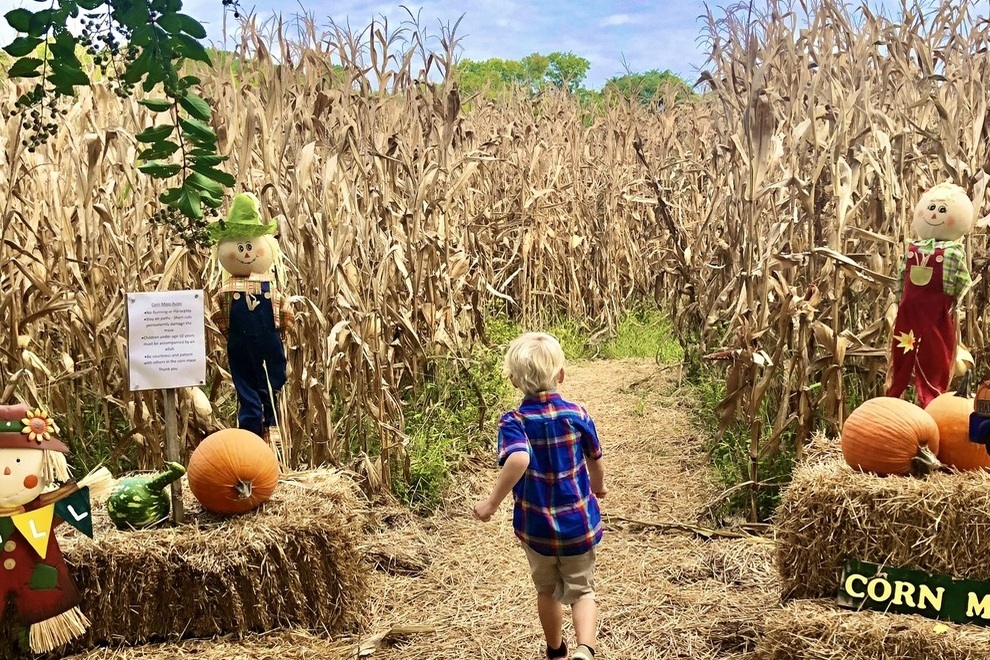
pixel 578 573
pixel 546 578
pixel 584 613
pixel 551 618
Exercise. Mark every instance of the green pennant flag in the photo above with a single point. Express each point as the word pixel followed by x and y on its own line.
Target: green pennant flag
pixel 6 527
pixel 75 511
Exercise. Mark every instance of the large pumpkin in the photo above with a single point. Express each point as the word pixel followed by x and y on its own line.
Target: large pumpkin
pixel 232 471
pixel 890 436
pixel 951 412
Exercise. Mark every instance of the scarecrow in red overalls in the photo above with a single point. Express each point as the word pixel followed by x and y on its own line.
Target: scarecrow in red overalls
pixel 32 568
pixel 934 275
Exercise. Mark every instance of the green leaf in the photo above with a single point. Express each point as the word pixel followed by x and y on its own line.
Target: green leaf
pixel 192 27
pixel 19 19
pixel 198 131
pixel 26 67
pixel 221 177
pixel 136 15
pixel 170 197
pixel 42 20
pixel 195 106
pixel 159 170
pixel 22 46
pixel 138 68
pixel 66 75
pixel 157 105
pixel 189 48
pixel 207 159
pixel 155 133
pixel 159 150
pixel 171 23
pixel 201 182
pixel 189 201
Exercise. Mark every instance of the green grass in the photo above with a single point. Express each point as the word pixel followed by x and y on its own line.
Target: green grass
pixel 645 332
pixel 729 453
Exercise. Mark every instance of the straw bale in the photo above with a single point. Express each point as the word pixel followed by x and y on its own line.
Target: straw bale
pixel 819 630
pixel 296 562
pixel 831 513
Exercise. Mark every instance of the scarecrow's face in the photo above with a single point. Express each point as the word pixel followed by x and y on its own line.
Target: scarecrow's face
pixel 244 257
pixel 943 215
pixel 21 476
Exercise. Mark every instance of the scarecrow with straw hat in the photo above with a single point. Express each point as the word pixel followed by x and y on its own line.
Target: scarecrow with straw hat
pixel 32 569
pixel 251 313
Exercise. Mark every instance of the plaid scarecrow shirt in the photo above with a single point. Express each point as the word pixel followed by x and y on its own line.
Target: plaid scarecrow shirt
pixel 555 512
pixel 239 286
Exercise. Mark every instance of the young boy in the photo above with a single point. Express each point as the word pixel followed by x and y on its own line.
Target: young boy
pixel 551 460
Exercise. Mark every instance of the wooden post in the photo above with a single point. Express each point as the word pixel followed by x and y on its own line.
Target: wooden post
pixel 172 451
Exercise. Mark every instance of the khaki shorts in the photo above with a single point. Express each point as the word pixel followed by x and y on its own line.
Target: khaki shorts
pixel 569 578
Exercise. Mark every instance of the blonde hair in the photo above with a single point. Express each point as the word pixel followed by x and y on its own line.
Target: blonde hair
pixel 534 361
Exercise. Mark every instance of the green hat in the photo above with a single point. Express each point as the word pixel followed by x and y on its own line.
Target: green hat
pixel 243 221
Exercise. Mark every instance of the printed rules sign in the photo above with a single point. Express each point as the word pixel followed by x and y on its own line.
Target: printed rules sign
pixel 166 340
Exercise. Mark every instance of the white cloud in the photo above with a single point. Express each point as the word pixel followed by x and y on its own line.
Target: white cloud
pixel 618 19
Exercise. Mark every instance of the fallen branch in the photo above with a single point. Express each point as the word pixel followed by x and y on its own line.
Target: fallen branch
pixel 750 531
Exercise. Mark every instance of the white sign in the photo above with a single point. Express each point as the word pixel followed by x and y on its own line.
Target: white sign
pixel 166 340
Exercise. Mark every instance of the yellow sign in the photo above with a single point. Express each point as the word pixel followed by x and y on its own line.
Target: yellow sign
pixel 36 526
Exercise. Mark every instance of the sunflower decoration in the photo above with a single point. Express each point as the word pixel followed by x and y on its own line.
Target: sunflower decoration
pixel 38 426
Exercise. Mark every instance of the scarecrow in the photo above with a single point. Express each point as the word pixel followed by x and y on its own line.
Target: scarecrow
pixel 32 569
pixel 934 275
pixel 251 313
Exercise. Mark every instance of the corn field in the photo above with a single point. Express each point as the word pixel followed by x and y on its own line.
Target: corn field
pixel 768 215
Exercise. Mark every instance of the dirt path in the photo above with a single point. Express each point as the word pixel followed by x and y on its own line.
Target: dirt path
pixel 662 594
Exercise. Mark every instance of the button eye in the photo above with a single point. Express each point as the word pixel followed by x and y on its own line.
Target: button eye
pixel 931 207
pixel 240 248
pixel 942 209
pixel 18 460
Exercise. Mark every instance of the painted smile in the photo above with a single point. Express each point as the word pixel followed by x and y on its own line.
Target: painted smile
pixel 247 262
pixel 935 224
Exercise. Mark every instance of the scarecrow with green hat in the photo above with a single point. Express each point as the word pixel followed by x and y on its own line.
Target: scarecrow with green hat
pixel 33 574
pixel 251 313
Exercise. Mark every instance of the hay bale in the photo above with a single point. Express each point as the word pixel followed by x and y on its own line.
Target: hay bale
pixel 818 630
pixel 294 563
pixel 831 513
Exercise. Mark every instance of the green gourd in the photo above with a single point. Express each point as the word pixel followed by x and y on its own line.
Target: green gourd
pixel 141 501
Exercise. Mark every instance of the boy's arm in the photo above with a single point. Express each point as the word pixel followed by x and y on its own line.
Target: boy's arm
pixel 513 469
pixel 596 470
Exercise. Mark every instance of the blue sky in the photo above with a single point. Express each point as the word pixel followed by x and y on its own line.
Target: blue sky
pixel 647 34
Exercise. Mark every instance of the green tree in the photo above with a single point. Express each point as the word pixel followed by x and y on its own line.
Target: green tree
pixel 132 42
pixel 533 72
pixel 495 74
pixel 566 70
pixel 650 87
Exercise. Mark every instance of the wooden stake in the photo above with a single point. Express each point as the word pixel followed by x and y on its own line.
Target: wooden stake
pixel 172 451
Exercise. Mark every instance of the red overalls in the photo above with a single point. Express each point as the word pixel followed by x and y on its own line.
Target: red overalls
pixel 926 312
pixel 41 588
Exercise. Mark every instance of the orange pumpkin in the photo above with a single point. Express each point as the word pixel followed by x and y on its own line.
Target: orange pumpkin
pixel 951 412
pixel 232 471
pixel 890 436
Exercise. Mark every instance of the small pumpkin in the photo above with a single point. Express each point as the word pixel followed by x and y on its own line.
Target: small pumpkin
pixel 951 412
pixel 886 436
pixel 232 471
pixel 141 501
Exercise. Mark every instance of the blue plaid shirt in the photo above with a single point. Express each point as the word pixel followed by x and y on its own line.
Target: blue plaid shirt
pixel 555 512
